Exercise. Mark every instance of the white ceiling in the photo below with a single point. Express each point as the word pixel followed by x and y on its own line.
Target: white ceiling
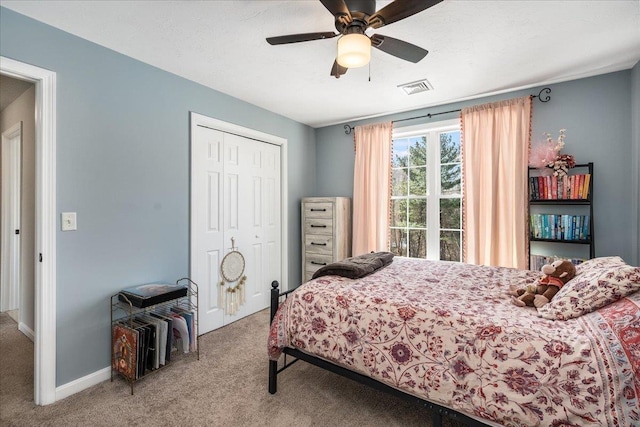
pixel 476 48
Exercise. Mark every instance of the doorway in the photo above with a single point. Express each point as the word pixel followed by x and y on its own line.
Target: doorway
pixel 44 331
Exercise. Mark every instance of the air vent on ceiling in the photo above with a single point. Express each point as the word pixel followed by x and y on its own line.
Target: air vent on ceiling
pixel 416 87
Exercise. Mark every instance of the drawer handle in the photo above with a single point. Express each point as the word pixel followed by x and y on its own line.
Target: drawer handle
pixel 318 226
pixel 318 210
pixel 318 263
pixel 318 244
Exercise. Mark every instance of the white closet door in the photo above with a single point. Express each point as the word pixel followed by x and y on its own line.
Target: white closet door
pixel 252 215
pixel 207 226
pixel 271 230
pixel 237 194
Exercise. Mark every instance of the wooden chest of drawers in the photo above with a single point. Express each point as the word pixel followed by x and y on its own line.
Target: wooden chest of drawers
pixel 326 232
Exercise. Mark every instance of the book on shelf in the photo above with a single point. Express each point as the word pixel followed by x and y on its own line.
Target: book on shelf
pixel 579 185
pixel 573 185
pixel 548 187
pixel 585 191
pixel 142 296
pixel 559 227
pixel 551 187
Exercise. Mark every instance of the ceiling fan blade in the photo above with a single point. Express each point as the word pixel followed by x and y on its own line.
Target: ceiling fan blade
pixel 399 10
pixel 337 70
pixel 403 50
pixel 337 8
pixel 295 38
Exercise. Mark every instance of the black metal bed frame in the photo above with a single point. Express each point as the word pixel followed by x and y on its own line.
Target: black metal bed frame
pixel 437 411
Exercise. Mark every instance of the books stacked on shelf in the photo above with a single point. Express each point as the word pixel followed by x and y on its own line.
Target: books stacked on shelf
pixel 146 341
pixel 550 187
pixel 537 261
pixel 559 227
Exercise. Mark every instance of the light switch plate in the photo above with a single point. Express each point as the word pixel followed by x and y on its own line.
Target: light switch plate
pixel 68 221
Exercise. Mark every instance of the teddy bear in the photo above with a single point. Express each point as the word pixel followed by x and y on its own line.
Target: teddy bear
pixel 556 275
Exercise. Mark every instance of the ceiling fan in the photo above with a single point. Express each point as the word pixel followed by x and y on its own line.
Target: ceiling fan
pixel 352 19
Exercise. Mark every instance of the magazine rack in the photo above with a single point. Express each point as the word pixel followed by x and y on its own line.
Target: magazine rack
pixel 129 356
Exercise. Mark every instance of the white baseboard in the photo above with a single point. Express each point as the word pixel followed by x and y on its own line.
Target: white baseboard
pixel 85 382
pixel 26 330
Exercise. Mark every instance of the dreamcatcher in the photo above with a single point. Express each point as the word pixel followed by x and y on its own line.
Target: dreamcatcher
pixel 232 269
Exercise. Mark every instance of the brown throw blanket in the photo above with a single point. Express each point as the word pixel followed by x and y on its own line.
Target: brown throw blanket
pixel 356 267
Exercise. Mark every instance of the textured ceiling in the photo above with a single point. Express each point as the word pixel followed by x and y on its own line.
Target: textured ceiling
pixel 476 48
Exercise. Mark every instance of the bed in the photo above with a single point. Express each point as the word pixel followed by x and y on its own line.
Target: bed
pixel 446 336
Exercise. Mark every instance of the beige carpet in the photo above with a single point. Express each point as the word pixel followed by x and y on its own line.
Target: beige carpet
pixel 226 387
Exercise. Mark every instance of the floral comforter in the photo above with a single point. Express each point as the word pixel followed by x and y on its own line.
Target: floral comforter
pixel 447 333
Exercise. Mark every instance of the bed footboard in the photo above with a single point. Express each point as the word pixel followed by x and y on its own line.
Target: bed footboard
pixel 273 364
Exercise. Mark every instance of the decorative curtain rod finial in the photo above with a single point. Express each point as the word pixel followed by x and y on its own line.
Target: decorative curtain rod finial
pixel 547 98
pixel 348 129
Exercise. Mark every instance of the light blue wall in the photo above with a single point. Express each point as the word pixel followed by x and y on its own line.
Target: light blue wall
pixel 597 114
pixel 635 176
pixel 123 166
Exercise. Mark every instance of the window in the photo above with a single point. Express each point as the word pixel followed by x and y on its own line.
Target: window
pixel 426 198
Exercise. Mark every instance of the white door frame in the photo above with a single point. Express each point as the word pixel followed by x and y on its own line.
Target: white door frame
pixel 44 386
pixel 10 218
pixel 199 119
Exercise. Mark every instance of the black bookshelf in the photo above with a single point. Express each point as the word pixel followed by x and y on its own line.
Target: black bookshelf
pixel 552 206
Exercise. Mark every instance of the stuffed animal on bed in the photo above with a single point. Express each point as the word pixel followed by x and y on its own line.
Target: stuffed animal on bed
pixel 555 276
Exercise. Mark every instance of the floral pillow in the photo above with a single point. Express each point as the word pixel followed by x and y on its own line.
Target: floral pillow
pixel 590 290
pixel 599 263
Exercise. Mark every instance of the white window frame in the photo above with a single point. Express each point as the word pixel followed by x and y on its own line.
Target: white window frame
pixel 431 131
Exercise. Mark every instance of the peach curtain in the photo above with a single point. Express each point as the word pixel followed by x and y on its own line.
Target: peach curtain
pixel 371 188
pixel 495 151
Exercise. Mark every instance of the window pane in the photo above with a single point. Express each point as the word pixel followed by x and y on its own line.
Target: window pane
pixel 415 204
pixel 418 243
pixel 450 179
pixel 450 147
pixel 418 151
pixel 450 246
pixel 418 181
pixel 398 212
pixel 400 151
pixel 398 242
pixel 450 213
pixel 399 182
pixel 418 213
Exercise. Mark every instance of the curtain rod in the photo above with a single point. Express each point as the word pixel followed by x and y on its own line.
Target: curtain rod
pixel 348 128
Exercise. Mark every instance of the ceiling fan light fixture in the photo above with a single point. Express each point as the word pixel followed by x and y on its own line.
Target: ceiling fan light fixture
pixel 354 50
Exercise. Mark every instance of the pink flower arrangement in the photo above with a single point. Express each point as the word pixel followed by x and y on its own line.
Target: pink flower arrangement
pixel 546 155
